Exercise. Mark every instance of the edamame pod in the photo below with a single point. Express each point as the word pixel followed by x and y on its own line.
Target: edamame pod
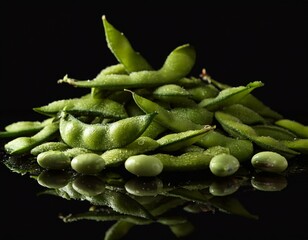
pixel 177 65
pixel 298 128
pixel 176 141
pixel 84 106
pixel 122 49
pixel 229 96
pixel 236 128
pixel 116 156
pixel 23 145
pixel 100 137
pixel 165 117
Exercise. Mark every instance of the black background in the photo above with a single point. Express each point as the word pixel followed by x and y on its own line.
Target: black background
pixel 237 43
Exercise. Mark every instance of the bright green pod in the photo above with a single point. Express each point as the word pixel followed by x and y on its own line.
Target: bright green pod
pixel 100 137
pixel 189 161
pixel 296 127
pixel 250 101
pixel 269 161
pixel 276 132
pixel 223 165
pixel 240 148
pixel 115 157
pixel 299 145
pixel 195 114
pixel 86 106
pixel 53 159
pixel 88 185
pixel 229 96
pixel 47 146
pixel 176 141
pixel 88 163
pixel 144 165
pixel 122 49
pixel 176 66
pixel 237 129
pixel 171 93
pixel 24 128
pixel 199 93
pixel 164 117
pixel 245 114
pixel 23 145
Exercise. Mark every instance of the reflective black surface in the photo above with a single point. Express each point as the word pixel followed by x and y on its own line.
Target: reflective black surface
pixel 248 205
pixel 236 43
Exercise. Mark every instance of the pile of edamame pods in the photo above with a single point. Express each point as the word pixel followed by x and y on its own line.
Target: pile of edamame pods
pixel 150 121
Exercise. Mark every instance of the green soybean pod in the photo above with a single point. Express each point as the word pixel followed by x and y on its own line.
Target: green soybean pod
pixel 229 96
pixel 164 117
pixel 237 129
pixel 294 126
pixel 245 114
pixel 299 145
pixel 242 149
pixel 123 50
pixel 176 141
pixel 22 145
pixel 47 146
pixel 88 163
pixel 144 165
pixel 269 161
pixel 198 93
pixel 87 106
pixel 100 137
pixel 174 94
pixel 223 165
pixel 21 128
pixel 115 157
pixel 250 101
pixel 274 131
pixel 176 66
pixel 189 161
pixel 197 115
pixel 53 159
